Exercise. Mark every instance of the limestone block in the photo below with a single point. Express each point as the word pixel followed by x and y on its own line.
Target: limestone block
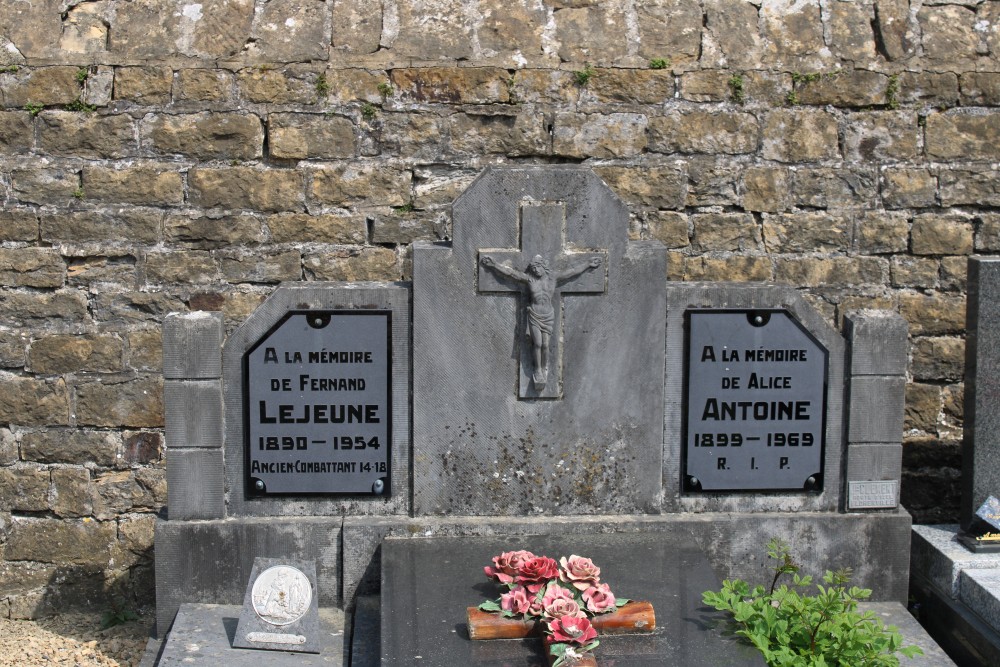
pixel 24 489
pixel 158 28
pixel 963 136
pixel 31 267
pixel 822 187
pixel 522 134
pixel 268 190
pixel 948 32
pixel 301 136
pixel 195 484
pixel 64 307
pixel 980 88
pixel 938 358
pixel 355 85
pixel 142 185
pixel 878 343
pixel 205 136
pixel 401 228
pixel 706 86
pixel 923 405
pixel 243 266
pixel 851 35
pixel 713 181
pixel 12 349
pixel 324 228
pixel 357 25
pixel 988 234
pixel 704 132
pixel 70 494
pixel 111 402
pixel 114 494
pixel 353 265
pixel 430 30
pixel 668 28
pixel 142 447
pixel 33 27
pixel 848 88
pixel 370 183
pixel 736 232
pixel 908 187
pixel 599 135
pixel 18 225
pixel 15 131
pixel 451 85
pixel 86 135
pixel 735 268
pixel 41 185
pixel 933 314
pixel 953 402
pixel 658 185
pixel 807 232
pixel 134 224
pixel 84 29
pixel 289 85
pixel 414 135
pixel 143 85
pixel 953 272
pixel 513 33
pixel 629 86
pixel 896 30
pixel 135 307
pixel 189 266
pixel 793 32
pixel 73 446
pixel 823 271
pixel 28 401
pixel 82 542
pixel 976 186
pixel 289 31
pixel 942 234
pixel 800 135
pixel 545 86
pixel 881 135
pixel 731 37
pixel 766 189
pixel 65 353
pixel 144 351
pixel 879 232
pixel 930 88
pixel 98 86
pixel 206 232
pixel 203 85
pixel 668 227
pixel 40 85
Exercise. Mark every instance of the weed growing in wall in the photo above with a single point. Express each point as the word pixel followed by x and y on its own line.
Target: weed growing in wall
pixel 736 92
pixel 659 63
pixel 322 86
pixel 385 89
pixel 582 77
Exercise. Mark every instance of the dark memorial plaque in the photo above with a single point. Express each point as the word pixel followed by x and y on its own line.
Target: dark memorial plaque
pixel 317 406
pixel 756 403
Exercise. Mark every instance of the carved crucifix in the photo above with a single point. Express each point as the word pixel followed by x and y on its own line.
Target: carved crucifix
pixel 548 273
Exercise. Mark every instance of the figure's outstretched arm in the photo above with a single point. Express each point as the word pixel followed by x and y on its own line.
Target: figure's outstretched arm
pixel 503 269
pixel 574 271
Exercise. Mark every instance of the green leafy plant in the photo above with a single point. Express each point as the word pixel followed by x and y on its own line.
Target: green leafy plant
pixel 78 193
pixel 80 105
pixel 33 109
pixel 796 630
pixel 582 77
pixel 369 111
pixel 385 89
pixel 322 86
pixel 892 91
pixel 117 615
pixel 659 63
pixel 405 208
pixel 9 69
pixel 736 91
pixel 799 78
pixel 82 75
pixel 792 98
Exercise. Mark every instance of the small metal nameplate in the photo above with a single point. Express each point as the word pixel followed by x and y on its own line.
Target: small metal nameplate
pixel 872 495
pixel 274 638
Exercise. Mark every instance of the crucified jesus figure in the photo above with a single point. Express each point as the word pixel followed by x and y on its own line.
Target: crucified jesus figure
pixel 541 313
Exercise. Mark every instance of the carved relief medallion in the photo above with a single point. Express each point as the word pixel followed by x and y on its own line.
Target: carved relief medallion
pixel 281 595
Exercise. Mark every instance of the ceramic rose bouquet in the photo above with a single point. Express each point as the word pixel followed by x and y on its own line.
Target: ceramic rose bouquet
pixel 561 597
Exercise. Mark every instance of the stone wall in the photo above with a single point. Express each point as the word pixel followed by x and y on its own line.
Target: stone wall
pixel 159 155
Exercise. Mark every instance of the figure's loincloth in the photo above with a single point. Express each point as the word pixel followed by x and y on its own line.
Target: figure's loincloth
pixel 544 320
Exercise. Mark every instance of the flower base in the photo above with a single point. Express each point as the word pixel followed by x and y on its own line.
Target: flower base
pixel 633 617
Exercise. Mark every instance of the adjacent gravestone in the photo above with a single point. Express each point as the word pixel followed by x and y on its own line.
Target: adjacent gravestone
pixel 280 608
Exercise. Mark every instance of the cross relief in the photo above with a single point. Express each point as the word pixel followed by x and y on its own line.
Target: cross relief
pixel 542 271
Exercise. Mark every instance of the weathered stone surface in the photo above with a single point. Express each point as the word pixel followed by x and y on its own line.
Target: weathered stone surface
pixel 290 85
pixel 704 132
pixel 357 25
pixel 766 189
pixel 978 187
pixel 668 227
pixel 86 135
pixel 844 88
pixel 659 185
pixel 134 403
pixel 98 86
pixel 980 88
pixel 938 358
pixel 920 272
pixel 731 37
pixel 32 27
pixel 923 405
pixel 8 447
pixel 706 86
pixel 28 401
pixel 895 29
pixel 430 30
pixel 64 306
pixel 137 225
pixel 725 231
pixel 359 264
pixel 83 542
pixel 963 136
pixel 205 136
pixel 941 234
pixel 400 228
pixel 187 266
pixel 879 232
pixel 261 267
pixel 513 33
pixel 452 85
pixel 954 271
pixel 18 225
pixel 935 88
pixel 881 135
pixel 269 190
pixel 24 489
pixel 289 31
pixel 793 32
pixel 933 314
pixel 953 400
pixel 142 447
pixel 851 35
pixel 42 86
pixel 95 272
pixel 413 135
pixel 629 86
pixel 143 85
pixel 594 33
pixel 521 134
pixel 821 187
pixel 65 353
pixel 668 28
pixel 40 185
pixel 599 135
pixel 144 351
pixel 988 232
pixel 300 136
pixel 31 267
pixel 157 28
pixel 807 232
pixel 70 494
pixel 136 306
pixel 324 228
pixel 206 232
pixel 114 494
pixel 362 183
pixel 141 185
pixel 71 446
pixel 948 32
pixel 544 86
pixel 794 135
pixel 906 187
pixel 12 349
pixel 356 85
pixel 823 271
pixel 735 268
pixel 15 131
pixel 713 181
pixel 203 85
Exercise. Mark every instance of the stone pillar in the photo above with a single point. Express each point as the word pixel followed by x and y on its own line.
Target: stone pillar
pixel 878 351
pixel 192 397
pixel 981 444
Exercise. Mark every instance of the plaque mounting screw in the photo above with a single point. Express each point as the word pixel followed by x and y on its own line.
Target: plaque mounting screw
pixel 758 320
pixel 259 485
pixel 378 487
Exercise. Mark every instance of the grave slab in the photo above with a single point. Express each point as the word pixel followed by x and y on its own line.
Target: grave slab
pixel 203 634
pixel 427 585
pixel 980 590
pixel 893 613
pixel 939 557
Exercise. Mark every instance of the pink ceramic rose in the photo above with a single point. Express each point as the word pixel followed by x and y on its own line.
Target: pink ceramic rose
pixel 599 599
pixel 579 572
pixel 507 565
pixel 534 573
pixel 556 592
pixel 560 608
pixel 572 630
pixel 516 600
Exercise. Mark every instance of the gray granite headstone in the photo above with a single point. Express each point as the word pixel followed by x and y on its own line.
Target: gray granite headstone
pixel 281 607
pixel 981 442
pixel 538 394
